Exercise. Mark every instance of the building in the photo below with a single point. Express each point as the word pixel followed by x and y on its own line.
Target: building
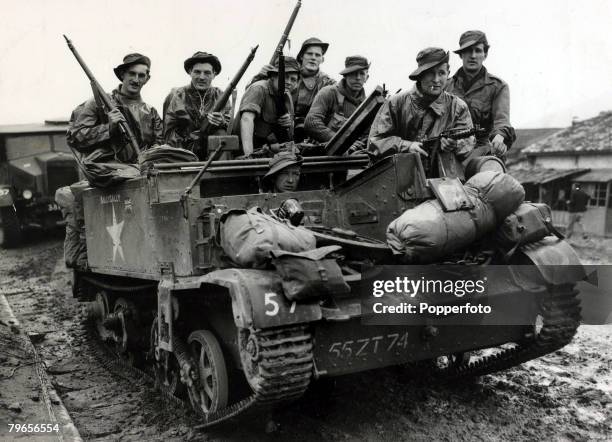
pixel 581 153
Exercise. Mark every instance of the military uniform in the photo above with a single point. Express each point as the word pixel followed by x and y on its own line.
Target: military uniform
pixel 410 116
pixel 488 98
pixel 330 109
pixel 307 89
pixel 186 108
pixel 89 131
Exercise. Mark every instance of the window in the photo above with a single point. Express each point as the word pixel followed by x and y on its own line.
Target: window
pixel 20 146
pixel 597 192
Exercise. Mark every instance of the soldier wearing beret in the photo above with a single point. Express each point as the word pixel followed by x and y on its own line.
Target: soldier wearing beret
pixel 259 121
pixel 334 104
pixel 407 118
pixel 185 107
pixel 312 80
pixel 97 136
pixel 487 96
pixel 283 173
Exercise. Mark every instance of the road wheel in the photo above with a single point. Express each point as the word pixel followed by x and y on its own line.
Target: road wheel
pixel 10 230
pixel 166 366
pixel 210 391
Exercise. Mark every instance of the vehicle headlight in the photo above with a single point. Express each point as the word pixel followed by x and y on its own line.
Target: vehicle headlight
pixel 27 194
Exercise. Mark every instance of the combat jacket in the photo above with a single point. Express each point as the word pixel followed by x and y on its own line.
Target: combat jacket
pixel 184 109
pixel 488 99
pixel 410 116
pixel 307 89
pixel 330 109
pixel 259 98
pixel 89 132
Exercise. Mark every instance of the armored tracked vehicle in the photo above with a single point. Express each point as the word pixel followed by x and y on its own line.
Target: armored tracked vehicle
pixel 163 292
pixel 34 162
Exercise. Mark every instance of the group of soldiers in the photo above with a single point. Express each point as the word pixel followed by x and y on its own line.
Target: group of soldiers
pixel 316 107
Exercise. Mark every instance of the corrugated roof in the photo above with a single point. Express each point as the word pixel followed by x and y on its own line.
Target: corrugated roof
pixel 596 175
pixel 539 175
pixel 588 136
pixel 33 128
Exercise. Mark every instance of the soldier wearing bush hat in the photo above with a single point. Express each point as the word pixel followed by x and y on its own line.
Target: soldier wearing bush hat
pixel 487 96
pixel 186 107
pixel 334 104
pixel 98 136
pixel 284 172
pixel 259 121
pixel 407 118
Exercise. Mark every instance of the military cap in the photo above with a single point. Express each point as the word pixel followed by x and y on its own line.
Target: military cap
pixel 354 63
pixel 130 60
pixel 312 41
pixel 471 38
pixel 203 57
pixel 427 59
pixel 291 65
pixel 281 161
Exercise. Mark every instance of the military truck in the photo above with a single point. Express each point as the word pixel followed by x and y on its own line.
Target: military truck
pixel 34 162
pixel 162 292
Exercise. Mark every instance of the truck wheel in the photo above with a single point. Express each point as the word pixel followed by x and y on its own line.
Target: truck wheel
pixel 10 230
pixel 210 391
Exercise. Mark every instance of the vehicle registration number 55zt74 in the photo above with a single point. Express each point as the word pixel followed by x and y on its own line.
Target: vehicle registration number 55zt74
pixel 392 342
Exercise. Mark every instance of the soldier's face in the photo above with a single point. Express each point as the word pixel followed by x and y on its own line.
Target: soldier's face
pixel 355 80
pixel 134 78
pixel 291 81
pixel 202 75
pixel 432 81
pixel 312 58
pixel 287 179
pixel 473 57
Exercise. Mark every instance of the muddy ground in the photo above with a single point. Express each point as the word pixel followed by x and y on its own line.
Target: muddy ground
pixel 563 396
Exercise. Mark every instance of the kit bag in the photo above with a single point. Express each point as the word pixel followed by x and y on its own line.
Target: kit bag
pixel 248 237
pixel 310 274
pixel 529 223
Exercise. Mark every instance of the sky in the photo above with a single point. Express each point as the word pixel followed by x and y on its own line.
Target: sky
pixel 556 56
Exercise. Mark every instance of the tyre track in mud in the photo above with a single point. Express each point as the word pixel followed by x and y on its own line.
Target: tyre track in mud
pixel 563 395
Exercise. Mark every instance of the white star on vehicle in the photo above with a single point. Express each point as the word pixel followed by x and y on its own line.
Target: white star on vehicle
pixel 114 230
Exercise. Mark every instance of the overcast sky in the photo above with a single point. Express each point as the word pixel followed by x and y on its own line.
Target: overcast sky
pixel 555 55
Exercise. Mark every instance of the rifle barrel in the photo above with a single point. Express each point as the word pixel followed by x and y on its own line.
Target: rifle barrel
pixel 285 36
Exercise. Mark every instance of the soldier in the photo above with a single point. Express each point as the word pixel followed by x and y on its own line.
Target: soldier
pixel 284 172
pixel 97 135
pixel 334 104
pixel 487 96
pixel 423 112
pixel 186 107
pixel 312 80
pixel 259 121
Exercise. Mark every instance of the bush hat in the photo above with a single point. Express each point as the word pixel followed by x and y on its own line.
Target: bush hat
pixel 130 60
pixel 354 63
pixel 291 65
pixel 471 38
pixel 312 41
pixel 427 59
pixel 281 161
pixel 203 57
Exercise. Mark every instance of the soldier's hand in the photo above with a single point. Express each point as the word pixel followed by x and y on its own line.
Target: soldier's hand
pixel 285 121
pixel 413 147
pixel 448 144
pixel 216 118
pixel 498 147
pixel 115 117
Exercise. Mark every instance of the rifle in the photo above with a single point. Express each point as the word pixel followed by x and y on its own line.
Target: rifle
pixel 102 98
pixel 453 134
pixel 285 36
pixel 222 100
pixel 281 107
